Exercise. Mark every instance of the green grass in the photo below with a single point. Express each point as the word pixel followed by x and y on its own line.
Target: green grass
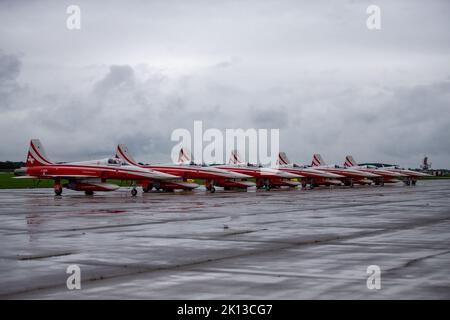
pixel 7 181
pixel 436 177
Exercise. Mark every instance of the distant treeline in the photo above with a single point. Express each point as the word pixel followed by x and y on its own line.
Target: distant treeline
pixel 10 165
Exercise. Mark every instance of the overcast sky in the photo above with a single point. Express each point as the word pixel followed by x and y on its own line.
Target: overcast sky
pixel 139 69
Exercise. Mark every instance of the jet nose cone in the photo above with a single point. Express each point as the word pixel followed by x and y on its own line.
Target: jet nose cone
pixel 162 175
pixel 20 172
pixel 153 174
pixel 241 176
pixel 373 175
pixel 289 175
pixel 280 173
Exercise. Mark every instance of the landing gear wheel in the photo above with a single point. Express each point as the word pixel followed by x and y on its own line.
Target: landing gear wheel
pixel 212 190
pixel 134 192
pixel 89 193
pixel 58 191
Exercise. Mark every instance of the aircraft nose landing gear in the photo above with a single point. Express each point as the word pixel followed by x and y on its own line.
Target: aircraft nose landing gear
pixel 134 192
pixel 209 185
pixel 57 187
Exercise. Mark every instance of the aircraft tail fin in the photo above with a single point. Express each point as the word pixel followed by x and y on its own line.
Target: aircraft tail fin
pixel 124 154
pixel 282 159
pixel 317 160
pixel 235 158
pixel 349 161
pixel 184 156
pixel 36 155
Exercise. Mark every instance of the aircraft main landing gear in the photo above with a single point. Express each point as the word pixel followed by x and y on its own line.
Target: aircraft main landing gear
pixel 89 192
pixel 134 192
pixel 58 190
pixel 209 185
pixel 146 189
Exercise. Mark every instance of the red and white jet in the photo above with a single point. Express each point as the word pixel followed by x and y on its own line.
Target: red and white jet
pixel 186 169
pixel 313 177
pixel 265 177
pixel 351 176
pixel 410 177
pixel 384 176
pixel 87 176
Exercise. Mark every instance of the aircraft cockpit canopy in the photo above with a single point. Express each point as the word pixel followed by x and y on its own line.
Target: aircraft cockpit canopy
pixel 115 162
pixel 255 165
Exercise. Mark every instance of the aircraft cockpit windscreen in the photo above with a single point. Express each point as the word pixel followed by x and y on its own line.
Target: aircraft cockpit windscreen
pixel 254 165
pixel 115 162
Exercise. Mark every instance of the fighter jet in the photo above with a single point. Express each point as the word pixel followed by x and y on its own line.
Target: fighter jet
pixel 410 177
pixel 87 176
pixel 313 178
pixel 187 169
pixel 384 176
pixel 351 176
pixel 265 177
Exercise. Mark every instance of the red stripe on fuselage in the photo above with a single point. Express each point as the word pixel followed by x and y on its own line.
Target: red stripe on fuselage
pixel 87 167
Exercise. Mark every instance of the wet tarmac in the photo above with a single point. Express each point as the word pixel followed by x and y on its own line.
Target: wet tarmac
pixel 298 244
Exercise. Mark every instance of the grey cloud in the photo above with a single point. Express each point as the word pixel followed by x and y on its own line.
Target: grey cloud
pixel 311 69
pixel 275 117
pixel 10 66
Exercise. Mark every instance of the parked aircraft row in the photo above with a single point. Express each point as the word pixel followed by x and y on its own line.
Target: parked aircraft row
pixel 90 176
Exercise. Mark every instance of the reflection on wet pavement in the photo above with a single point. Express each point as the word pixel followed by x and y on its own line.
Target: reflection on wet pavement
pixel 299 244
